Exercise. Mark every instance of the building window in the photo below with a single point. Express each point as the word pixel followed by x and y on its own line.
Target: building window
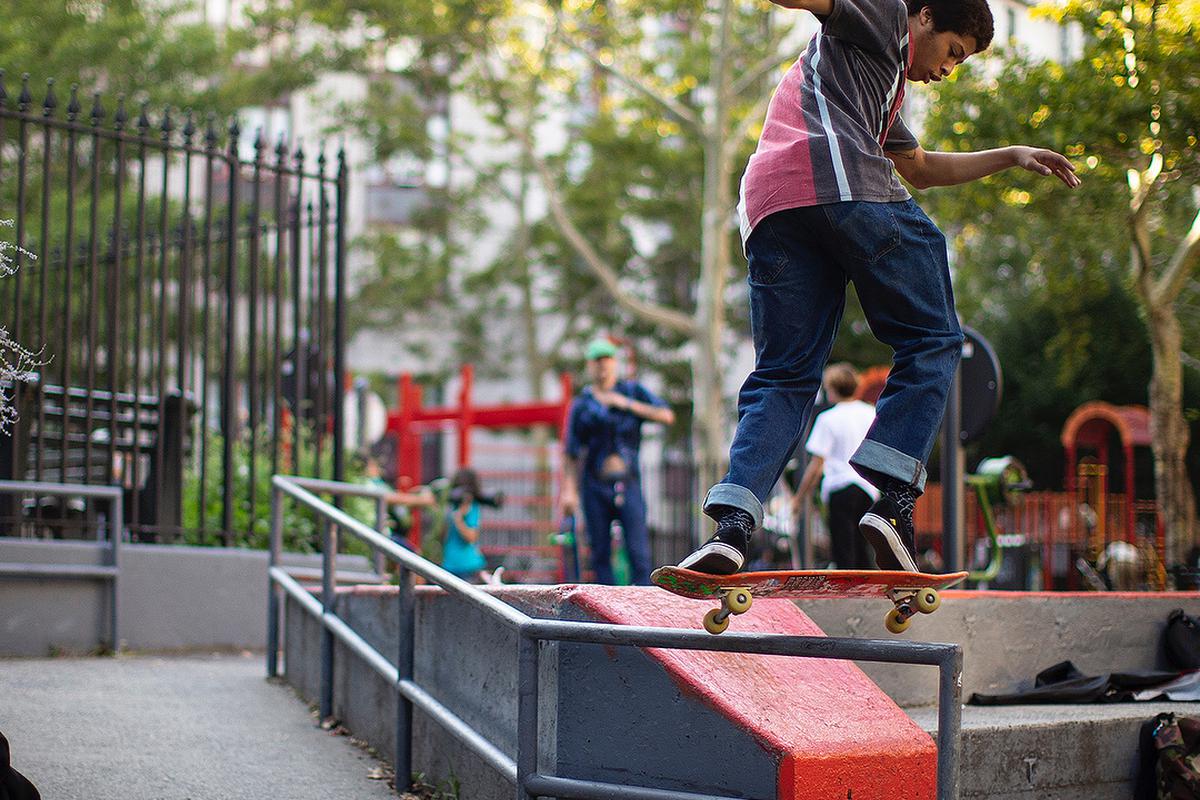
pixel 394 204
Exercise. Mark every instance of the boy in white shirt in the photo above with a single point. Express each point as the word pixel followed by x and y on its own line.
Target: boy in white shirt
pixel 846 495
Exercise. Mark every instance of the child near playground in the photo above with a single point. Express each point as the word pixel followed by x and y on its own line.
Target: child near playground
pixel 460 553
pixel 821 205
pixel 836 434
pixel 399 501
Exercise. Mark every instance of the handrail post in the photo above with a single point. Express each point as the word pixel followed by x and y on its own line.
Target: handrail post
pixel 381 510
pixel 406 633
pixel 329 543
pixel 527 710
pixel 273 552
pixel 949 732
pixel 117 525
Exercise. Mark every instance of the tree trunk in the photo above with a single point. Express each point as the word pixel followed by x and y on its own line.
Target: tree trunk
pixel 1169 435
pixel 707 402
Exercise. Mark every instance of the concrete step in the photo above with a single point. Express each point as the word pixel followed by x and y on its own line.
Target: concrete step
pixel 1051 752
pixel 1009 637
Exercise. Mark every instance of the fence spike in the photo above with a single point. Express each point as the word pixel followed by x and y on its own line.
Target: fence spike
pixel 281 151
pixel 167 124
pixel 122 115
pixel 260 144
pixel 298 156
pixel 73 106
pixel 25 99
pixel 210 131
pixel 321 161
pixel 143 122
pixel 97 112
pixel 189 127
pixel 50 102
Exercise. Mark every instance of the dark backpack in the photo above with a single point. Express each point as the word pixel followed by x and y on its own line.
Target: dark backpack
pixel 1169 746
pixel 1183 640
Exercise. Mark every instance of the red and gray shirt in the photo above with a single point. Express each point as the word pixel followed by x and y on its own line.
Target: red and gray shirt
pixel 833 115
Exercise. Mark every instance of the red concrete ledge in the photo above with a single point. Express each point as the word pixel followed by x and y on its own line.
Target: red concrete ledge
pixel 833 732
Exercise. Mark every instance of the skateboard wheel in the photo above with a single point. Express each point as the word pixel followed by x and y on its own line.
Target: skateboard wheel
pixel 739 601
pixel 896 621
pixel 927 601
pixel 714 623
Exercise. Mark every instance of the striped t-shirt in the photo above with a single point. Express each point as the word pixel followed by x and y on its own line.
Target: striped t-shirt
pixel 833 115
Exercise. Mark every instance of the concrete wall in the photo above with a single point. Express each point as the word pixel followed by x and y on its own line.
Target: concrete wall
pixel 1008 637
pixel 723 723
pixel 169 597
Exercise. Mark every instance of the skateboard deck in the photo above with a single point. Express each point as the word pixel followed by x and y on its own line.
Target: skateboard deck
pixel 909 592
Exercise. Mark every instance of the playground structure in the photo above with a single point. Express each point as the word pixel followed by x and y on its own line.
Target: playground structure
pixel 1052 530
pixel 527 473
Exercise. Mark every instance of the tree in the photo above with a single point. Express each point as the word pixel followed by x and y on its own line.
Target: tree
pixel 684 85
pixel 1128 111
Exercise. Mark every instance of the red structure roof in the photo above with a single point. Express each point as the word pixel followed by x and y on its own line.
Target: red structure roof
pixel 1089 424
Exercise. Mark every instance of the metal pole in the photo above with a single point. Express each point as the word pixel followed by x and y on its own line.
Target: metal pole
pixel 406 608
pixel 272 593
pixel 949 735
pixel 952 478
pixel 328 567
pixel 381 510
pixel 527 712
pixel 339 319
pixel 118 530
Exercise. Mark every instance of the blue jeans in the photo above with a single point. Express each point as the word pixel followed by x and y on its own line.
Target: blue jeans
pixel 800 261
pixel 600 507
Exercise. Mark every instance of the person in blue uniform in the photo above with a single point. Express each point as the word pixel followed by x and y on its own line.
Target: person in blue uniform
pixel 601 475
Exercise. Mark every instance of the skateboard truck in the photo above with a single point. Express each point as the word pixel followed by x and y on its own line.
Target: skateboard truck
pixel 734 600
pixel 907 603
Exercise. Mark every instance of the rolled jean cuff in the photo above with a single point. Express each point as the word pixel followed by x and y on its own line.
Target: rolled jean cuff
pixel 730 494
pixel 891 462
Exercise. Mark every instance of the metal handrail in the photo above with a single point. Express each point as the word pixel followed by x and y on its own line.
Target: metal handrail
pixel 531 631
pixel 116 525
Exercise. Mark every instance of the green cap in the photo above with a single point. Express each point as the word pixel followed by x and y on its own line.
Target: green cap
pixel 600 348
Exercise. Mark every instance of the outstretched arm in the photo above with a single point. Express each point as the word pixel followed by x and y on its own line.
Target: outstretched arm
pixel 924 169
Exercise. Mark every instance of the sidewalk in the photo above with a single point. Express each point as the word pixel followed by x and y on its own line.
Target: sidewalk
pixel 172 728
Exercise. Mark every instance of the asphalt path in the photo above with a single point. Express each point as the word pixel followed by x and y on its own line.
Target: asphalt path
pixel 172 728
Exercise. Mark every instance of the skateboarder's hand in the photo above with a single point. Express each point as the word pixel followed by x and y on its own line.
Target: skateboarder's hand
pixel 1047 162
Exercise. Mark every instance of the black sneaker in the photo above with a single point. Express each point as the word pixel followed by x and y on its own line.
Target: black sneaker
pixel 725 552
pixel 890 532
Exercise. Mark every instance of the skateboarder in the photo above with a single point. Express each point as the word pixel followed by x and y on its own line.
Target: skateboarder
pixel 821 205
pixel 604 430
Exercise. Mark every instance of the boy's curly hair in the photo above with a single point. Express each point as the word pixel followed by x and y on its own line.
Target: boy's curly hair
pixel 966 17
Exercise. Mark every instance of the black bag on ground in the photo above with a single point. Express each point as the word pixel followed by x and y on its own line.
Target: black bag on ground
pixel 1182 640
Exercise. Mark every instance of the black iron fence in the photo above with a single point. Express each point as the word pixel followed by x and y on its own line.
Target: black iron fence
pixel 187 301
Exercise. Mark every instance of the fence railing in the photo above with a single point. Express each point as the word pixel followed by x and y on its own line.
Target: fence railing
pixel 531 631
pixel 186 294
pixel 114 522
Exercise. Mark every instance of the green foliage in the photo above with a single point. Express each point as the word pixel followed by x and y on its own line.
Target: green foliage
pixel 252 501
pixel 1045 271
pixel 161 51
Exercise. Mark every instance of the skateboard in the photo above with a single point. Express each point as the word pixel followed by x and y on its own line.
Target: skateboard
pixel 910 592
